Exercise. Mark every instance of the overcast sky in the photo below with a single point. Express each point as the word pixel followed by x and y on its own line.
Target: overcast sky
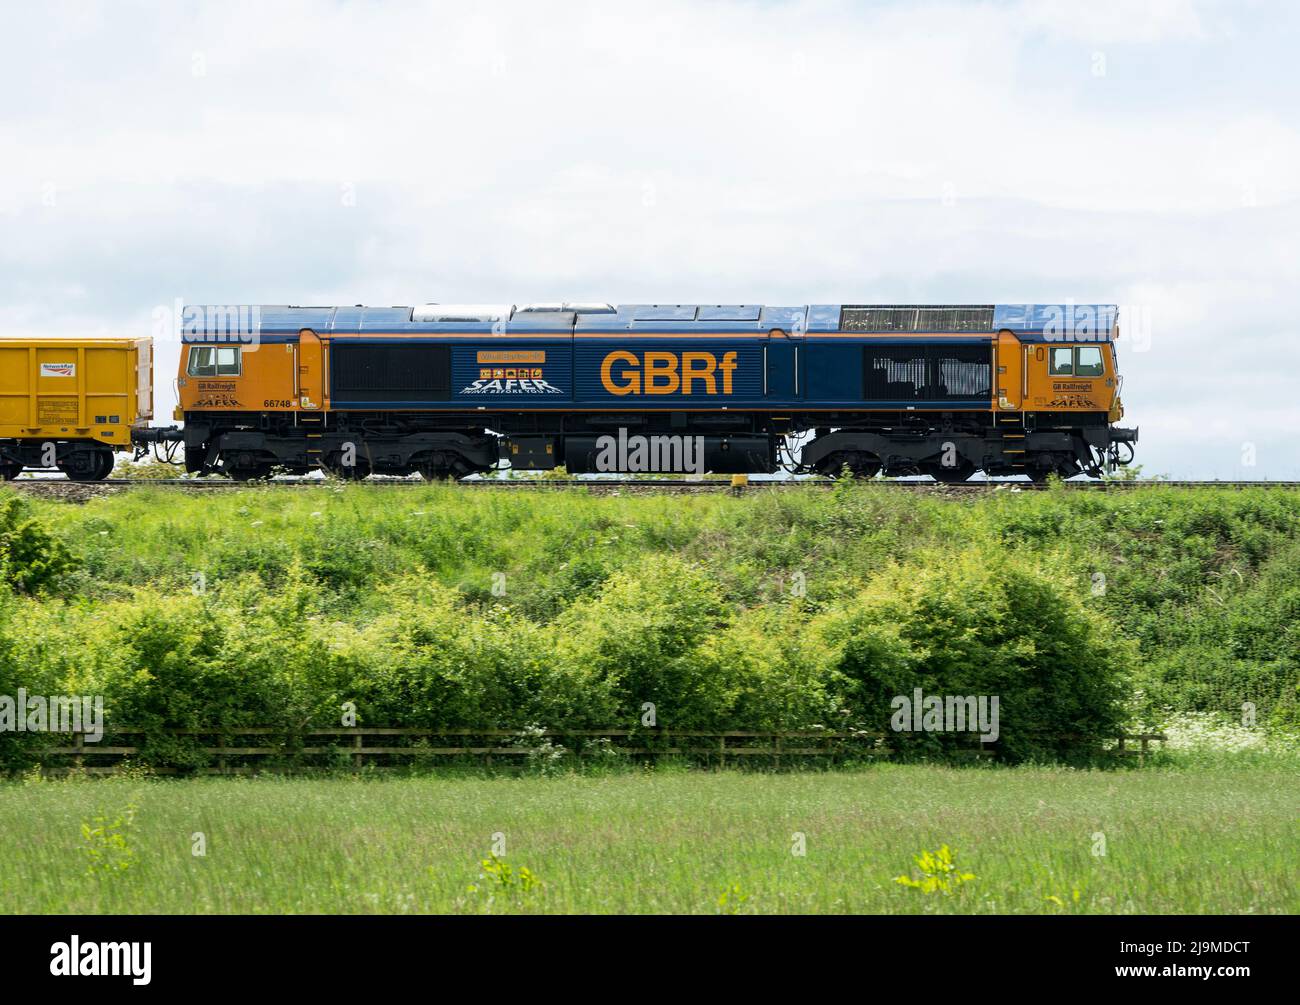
pixel 1145 154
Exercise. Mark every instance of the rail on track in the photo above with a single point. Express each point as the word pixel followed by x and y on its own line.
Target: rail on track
pixel 218 484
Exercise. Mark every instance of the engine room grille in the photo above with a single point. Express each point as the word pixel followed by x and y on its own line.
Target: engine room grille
pixel 917 318
pixel 390 372
pixel 927 373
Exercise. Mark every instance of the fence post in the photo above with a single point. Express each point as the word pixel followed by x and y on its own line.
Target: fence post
pixel 722 751
pixel 357 756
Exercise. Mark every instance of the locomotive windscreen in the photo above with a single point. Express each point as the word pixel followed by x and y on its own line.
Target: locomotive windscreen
pixel 387 373
pixel 927 373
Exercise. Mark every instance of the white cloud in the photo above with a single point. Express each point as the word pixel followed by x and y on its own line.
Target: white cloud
pixel 797 152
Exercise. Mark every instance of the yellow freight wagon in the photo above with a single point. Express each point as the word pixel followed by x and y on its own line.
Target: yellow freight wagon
pixel 69 404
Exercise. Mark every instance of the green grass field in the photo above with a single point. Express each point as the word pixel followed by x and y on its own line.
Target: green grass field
pixel 1214 839
pixel 1085 612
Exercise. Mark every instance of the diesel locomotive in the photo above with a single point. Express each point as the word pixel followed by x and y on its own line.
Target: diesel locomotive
pixel 451 390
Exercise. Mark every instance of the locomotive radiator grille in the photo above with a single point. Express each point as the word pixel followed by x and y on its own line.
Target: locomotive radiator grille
pixel 917 318
pixel 382 373
pixel 927 373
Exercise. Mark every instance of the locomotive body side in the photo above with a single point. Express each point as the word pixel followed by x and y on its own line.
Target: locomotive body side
pixel 448 391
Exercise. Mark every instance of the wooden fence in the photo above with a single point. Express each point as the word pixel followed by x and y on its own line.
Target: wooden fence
pixel 248 749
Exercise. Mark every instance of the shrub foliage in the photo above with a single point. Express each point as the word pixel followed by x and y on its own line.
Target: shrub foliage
pixel 444 609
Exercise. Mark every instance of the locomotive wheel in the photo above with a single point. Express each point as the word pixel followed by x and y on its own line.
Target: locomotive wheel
pixel 441 472
pixel 443 466
pixel 951 476
pixel 349 473
pixel 254 474
pixel 861 465
pixel 88 466
pixel 1063 468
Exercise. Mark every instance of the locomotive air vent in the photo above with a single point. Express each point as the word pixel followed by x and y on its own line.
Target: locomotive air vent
pixel 917 318
pixel 482 313
pixel 566 307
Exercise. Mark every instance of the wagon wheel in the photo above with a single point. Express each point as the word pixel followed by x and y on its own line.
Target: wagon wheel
pixel 8 472
pixel 80 468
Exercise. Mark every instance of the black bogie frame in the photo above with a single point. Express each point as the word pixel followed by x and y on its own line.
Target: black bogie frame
pixel 950 446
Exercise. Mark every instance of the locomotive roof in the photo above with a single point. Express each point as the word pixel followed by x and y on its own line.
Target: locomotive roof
pixel 1031 322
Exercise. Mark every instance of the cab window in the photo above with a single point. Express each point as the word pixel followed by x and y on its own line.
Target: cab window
pixel 1088 363
pixel 214 361
pixel 1062 360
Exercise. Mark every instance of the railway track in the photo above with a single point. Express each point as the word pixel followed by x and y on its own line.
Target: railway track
pixel 62 486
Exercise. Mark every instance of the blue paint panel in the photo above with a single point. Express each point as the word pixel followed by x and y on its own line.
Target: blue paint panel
pixel 347 319
pixel 386 319
pixel 697 327
pixel 782 384
pixel 691 318
pixel 280 319
pixel 729 312
pixel 785 318
pixel 832 371
pixel 560 322
pixel 823 318
pixel 294 319
pixel 662 312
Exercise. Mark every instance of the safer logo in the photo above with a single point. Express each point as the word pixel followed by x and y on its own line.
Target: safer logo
pixel 511 380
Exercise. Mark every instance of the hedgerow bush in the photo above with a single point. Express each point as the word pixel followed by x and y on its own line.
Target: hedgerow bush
pixel 974 624
pixel 17 748
pixel 642 636
pixel 445 609
pixel 32 559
